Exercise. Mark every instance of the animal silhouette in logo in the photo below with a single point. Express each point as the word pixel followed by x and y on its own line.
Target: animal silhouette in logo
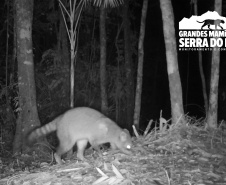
pixel 210 22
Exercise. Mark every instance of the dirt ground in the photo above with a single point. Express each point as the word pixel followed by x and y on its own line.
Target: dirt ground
pixel 172 155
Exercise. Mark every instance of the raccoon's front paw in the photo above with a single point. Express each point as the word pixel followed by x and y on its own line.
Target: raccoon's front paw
pixel 81 157
pixel 58 159
pixel 126 151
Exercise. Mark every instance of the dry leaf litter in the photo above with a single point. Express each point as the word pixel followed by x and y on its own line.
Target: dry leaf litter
pixel 168 155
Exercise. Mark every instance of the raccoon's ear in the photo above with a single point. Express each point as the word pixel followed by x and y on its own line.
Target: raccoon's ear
pixel 125 130
pixel 123 136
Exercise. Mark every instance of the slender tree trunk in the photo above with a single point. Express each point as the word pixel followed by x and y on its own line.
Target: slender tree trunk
pixel 104 104
pixel 128 67
pixel 28 117
pixel 63 49
pixel 72 70
pixel 136 117
pixel 73 13
pixel 14 63
pixel 62 41
pixel 204 90
pixel 172 63
pixel 213 97
pixel 118 107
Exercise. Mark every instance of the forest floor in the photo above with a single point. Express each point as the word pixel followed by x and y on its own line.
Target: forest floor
pixel 170 155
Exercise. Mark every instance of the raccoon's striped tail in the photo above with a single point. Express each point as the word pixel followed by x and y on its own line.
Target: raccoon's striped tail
pixel 42 131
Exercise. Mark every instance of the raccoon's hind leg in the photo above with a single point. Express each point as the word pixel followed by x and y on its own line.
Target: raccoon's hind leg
pixel 64 146
pixel 81 145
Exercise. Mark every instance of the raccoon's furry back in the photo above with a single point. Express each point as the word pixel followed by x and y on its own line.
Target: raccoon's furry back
pixel 42 131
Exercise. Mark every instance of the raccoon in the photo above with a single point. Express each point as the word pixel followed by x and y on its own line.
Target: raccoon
pixel 82 125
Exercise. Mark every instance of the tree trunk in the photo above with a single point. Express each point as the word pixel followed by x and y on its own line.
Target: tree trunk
pixel 118 106
pixel 213 97
pixel 104 104
pixel 14 63
pixel 204 90
pixel 62 39
pixel 63 42
pixel 136 117
pixel 63 49
pixel 128 67
pixel 172 63
pixel 28 117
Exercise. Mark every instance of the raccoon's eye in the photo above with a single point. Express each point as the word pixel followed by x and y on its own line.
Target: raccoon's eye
pixel 128 146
